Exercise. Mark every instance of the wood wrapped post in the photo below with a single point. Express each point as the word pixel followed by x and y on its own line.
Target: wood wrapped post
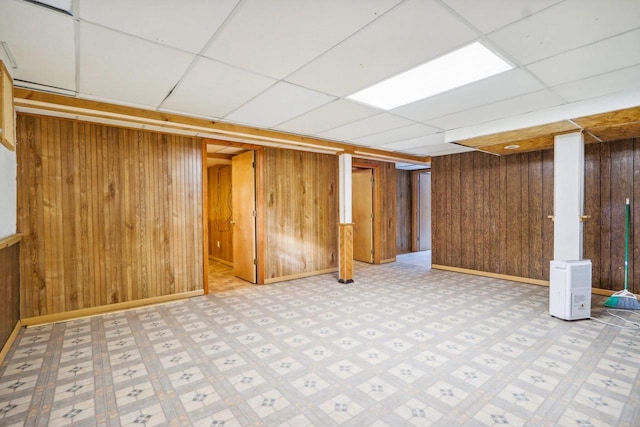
pixel 345 272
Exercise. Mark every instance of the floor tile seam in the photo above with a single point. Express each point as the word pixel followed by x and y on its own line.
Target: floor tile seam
pixel 43 396
pixel 157 378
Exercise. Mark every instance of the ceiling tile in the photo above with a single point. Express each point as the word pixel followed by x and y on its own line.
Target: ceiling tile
pixel 278 104
pixel 499 110
pixel 506 85
pixel 410 34
pixel 403 133
pixel 437 150
pixel 186 25
pixel 328 116
pixel 423 141
pixel 277 38
pixel 605 84
pixel 567 25
pixel 214 89
pixel 42 43
pixel 501 12
pixel 125 68
pixel 608 55
pixel 375 124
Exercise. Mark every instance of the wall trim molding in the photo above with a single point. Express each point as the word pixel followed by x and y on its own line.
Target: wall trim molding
pixel 10 240
pixel 538 282
pixel 300 275
pixel 7 345
pixel 110 308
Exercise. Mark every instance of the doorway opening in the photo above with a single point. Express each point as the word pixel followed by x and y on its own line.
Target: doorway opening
pixel 232 217
pixel 366 212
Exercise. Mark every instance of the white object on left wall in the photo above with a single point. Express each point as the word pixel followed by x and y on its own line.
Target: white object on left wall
pixel 8 192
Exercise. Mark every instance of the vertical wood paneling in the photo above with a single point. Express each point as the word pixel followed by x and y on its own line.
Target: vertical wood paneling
pixel 109 215
pixel 591 230
pixel 498 227
pixel 479 219
pixel 547 209
pixel 386 196
pixel 9 291
pixel 536 214
pixel 300 212
pixel 404 192
pixel 220 213
pixel 467 214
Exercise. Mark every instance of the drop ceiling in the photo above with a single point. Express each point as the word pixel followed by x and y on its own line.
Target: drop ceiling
pixel 287 66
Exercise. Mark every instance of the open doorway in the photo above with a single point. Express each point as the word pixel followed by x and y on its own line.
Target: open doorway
pixel 421 221
pixel 232 219
pixel 365 204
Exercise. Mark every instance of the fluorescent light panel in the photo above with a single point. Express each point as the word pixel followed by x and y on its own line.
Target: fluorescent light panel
pixel 458 68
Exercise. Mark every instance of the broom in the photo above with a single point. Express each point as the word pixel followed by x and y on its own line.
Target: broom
pixel 624 299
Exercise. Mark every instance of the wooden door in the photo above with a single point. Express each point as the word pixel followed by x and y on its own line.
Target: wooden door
pixel 243 202
pixel 362 212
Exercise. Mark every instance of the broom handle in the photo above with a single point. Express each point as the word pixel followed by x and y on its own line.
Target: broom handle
pixel 626 246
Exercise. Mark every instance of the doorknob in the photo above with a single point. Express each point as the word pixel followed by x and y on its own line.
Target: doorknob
pixel 232 222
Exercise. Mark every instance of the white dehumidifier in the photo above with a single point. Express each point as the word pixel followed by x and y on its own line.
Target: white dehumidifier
pixel 570 289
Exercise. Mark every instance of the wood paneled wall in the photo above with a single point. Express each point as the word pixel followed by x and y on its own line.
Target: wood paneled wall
pixel 300 212
pixel 220 213
pixel 108 214
pixel 490 213
pixel 612 174
pixel 387 200
pixel 404 192
pixel 9 291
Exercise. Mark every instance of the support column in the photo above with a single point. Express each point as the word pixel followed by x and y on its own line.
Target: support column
pixel 568 185
pixel 345 271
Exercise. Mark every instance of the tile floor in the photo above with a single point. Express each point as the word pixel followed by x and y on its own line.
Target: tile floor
pixel 403 345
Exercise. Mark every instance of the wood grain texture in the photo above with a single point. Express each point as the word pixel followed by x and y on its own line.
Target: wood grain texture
pixel 220 213
pixel 109 215
pixel 611 176
pixel 300 212
pixel 9 291
pixel 404 191
pixel 7 122
pixel 345 272
pixel 495 223
pixel 385 225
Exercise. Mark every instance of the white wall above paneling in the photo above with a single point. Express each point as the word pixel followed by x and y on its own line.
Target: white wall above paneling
pixel 8 193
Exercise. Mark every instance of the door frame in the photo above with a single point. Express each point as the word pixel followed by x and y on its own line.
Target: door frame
pixel 415 208
pixel 259 171
pixel 377 244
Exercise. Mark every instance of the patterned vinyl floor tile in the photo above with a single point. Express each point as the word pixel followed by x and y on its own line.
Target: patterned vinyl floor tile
pixel 403 345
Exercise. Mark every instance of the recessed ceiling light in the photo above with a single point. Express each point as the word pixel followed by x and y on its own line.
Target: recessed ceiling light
pixel 511 147
pixel 458 68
